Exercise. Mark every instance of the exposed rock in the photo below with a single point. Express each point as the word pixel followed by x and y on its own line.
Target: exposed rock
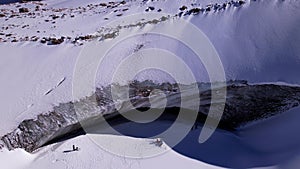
pixel 54 41
pixel 23 10
pixel 194 11
pixel 87 37
pixel 241 2
pixel 183 8
pixel 208 8
pixel 245 103
pixel 150 8
pixel 55 17
pixel 103 4
pixel 37 8
pixel 34 38
pixel 43 40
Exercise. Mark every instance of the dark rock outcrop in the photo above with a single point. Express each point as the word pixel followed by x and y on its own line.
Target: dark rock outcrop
pixel 245 103
pixel 23 10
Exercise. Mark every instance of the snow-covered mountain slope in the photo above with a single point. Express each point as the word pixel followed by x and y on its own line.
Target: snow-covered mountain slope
pixel 262 36
pixel 257 41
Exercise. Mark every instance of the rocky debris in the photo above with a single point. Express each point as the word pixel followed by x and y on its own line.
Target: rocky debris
pixel 87 37
pixel 194 11
pixel 40 10
pixel 241 2
pixel 210 7
pixel 123 2
pixel 102 34
pixel 183 8
pixel 34 38
pixel 50 40
pixel 150 8
pixel 43 40
pixel 37 8
pixel 24 26
pixel 52 16
pixel 82 38
pixel 103 4
pixel 245 103
pixel 23 10
pixel 138 47
pixel 55 41
pixel 26 38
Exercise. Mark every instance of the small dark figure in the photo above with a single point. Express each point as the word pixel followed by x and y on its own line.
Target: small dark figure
pixel 75 148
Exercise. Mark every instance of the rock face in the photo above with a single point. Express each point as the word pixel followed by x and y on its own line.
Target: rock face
pixel 23 10
pixel 245 103
pixel 250 103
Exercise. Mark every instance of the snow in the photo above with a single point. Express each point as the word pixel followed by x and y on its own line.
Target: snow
pixel 91 156
pixel 257 42
pixel 252 50
pixel 29 77
pixel 8 159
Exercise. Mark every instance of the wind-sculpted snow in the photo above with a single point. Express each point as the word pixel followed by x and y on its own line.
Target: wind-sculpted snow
pixel 245 103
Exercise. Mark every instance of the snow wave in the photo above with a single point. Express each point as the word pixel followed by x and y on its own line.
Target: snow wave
pixel 245 104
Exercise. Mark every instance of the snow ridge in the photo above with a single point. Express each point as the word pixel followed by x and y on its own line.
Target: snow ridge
pixel 245 104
